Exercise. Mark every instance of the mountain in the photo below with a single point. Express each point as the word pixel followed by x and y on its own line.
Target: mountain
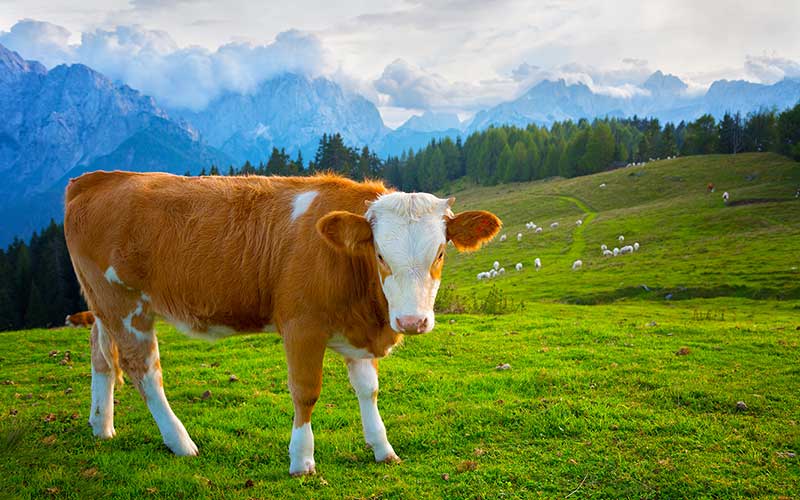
pixel 289 111
pixel 432 122
pixel 662 96
pixel 70 119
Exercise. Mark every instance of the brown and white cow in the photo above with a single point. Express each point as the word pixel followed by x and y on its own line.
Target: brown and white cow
pixel 325 261
pixel 85 318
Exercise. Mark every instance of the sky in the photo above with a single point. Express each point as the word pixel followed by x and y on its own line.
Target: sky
pixel 408 56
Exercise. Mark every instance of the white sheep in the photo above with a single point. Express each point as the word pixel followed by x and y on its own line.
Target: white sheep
pixel 554 225
pixel 626 249
pixel 537 263
pixel 538 230
pixel 725 197
pixel 482 276
pixel 616 251
pixel 577 264
pixel 518 267
pixel 492 273
pixel 502 270
pixel 496 265
pixel 503 237
pixel 519 236
pixel 621 238
pixel 603 185
pixel 603 247
pixel 530 225
pixel 607 253
pixel 636 246
pixel 578 222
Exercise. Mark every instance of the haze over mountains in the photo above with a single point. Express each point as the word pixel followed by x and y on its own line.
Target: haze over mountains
pixel 58 123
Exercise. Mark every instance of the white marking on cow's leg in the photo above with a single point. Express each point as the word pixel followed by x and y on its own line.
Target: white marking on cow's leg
pixel 301 203
pixel 301 451
pixel 101 414
pixel 364 379
pixel 172 430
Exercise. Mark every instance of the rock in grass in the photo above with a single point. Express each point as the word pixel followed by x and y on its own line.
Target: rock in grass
pixel 206 395
pixel 504 366
pixel 233 378
pixel 741 406
pixel 683 351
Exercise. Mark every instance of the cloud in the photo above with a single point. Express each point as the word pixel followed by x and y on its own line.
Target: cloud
pixel 39 41
pixel 178 77
pixel 770 69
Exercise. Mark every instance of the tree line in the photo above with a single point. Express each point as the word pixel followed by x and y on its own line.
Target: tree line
pixel 38 287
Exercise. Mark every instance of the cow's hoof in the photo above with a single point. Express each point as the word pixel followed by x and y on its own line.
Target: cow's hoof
pixel 306 468
pixel 391 458
pixel 183 447
pixel 102 430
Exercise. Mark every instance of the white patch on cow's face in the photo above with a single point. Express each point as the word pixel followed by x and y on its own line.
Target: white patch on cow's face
pixel 301 203
pixel 409 231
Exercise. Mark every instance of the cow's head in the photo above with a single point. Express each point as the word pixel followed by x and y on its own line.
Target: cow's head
pixel 407 235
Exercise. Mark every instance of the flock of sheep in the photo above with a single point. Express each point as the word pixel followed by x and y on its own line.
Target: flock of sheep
pixel 497 270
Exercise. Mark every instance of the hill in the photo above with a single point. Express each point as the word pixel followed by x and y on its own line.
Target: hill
pixel 692 244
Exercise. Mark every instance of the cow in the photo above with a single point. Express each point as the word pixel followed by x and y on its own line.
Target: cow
pixel 85 318
pixel 325 261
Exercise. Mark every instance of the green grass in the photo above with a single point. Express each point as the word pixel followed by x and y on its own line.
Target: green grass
pixel 596 399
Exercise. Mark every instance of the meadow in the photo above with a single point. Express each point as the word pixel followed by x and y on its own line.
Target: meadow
pixel 672 372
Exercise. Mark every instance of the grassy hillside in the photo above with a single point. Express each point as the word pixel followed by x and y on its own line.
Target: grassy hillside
pixel 693 245
pixel 634 396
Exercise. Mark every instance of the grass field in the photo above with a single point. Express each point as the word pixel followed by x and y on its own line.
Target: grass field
pixel 614 390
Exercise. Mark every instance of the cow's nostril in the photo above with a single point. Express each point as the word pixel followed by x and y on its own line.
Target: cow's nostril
pixel 422 325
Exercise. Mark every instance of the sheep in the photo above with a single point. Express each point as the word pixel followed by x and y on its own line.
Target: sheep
pixel 578 222
pixel 607 253
pixel 577 264
pixel 530 225
pixel 621 238
pixel 496 265
pixel 725 197
pixel 626 249
pixel 537 263
pixel 518 267
pixel 482 276
pixel 492 273
pixel 636 246
pixel 616 251
pixel 503 237
pixel 603 247
pixel 519 236
pixel 554 225
pixel 603 185
pixel 538 230
pixel 502 270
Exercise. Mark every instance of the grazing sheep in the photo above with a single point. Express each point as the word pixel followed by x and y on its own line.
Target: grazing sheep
pixel 725 197
pixel 603 185
pixel 519 236
pixel 538 230
pixel 496 265
pixel 636 246
pixel 616 251
pixel 577 264
pixel 603 247
pixel 537 263
pixel 518 267
pixel 492 273
pixel 621 238
pixel 503 237
pixel 482 276
pixel 607 253
pixel 502 270
pixel 626 249
pixel 578 222
pixel 554 225
pixel 530 225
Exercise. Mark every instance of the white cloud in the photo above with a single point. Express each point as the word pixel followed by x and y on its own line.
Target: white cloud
pixel 151 61
pixel 770 69
pixel 39 41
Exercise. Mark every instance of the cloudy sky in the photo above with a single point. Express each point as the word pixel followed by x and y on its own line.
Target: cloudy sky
pixel 407 56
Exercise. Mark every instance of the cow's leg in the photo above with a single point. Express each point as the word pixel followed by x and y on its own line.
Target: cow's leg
pixel 139 357
pixel 304 355
pixel 105 371
pixel 364 379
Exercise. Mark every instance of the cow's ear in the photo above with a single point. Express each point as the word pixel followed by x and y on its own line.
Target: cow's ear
pixel 469 230
pixel 346 232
